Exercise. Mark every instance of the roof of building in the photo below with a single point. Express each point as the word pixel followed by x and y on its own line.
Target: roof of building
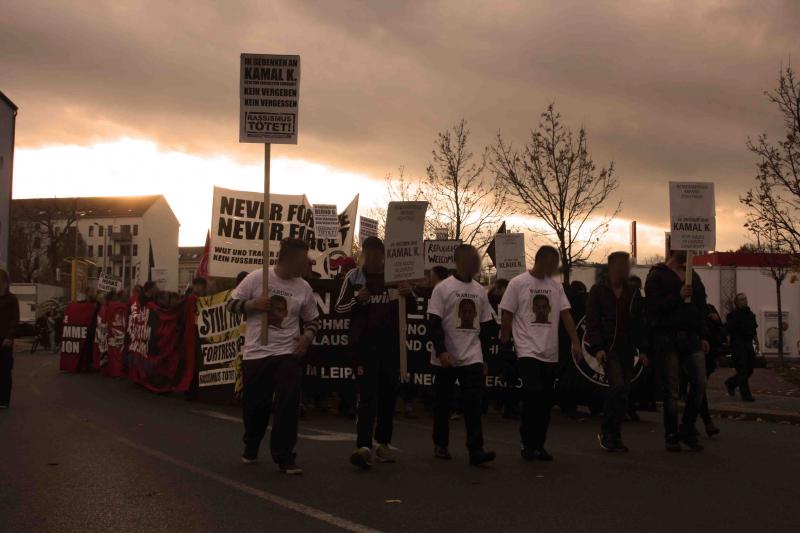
pixel 190 253
pixel 97 206
pixel 743 259
pixel 7 100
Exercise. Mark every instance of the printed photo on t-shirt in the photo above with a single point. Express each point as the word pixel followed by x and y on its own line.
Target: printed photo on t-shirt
pixel 279 310
pixel 540 307
pixel 467 313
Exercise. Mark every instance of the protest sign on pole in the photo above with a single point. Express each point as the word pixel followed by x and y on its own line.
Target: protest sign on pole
pixel 692 219
pixel 160 276
pixel 367 227
pixel 510 254
pixel 106 283
pixel 441 253
pixel 405 258
pixel 326 221
pixel 269 102
pixel 442 234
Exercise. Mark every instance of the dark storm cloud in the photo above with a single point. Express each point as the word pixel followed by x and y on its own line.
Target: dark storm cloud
pixel 667 90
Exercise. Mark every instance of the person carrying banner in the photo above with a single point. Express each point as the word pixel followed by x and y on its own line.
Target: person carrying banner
pixel 532 307
pixel 374 339
pixel 9 320
pixel 677 310
pixel 460 320
pixel 272 373
pixel 614 333
pixel 741 326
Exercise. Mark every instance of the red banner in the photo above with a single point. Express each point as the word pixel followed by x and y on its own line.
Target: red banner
pixel 161 344
pixel 77 337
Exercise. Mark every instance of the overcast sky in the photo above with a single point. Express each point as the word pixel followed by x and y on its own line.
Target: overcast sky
pixel 667 90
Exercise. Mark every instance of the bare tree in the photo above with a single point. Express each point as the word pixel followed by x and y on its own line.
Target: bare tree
pixel 465 200
pixel 774 202
pixel 555 179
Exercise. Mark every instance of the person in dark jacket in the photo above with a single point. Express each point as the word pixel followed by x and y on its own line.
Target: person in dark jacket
pixel 679 331
pixel 614 333
pixel 374 340
pixel 716 341
pixel 741 326
pixel 9 320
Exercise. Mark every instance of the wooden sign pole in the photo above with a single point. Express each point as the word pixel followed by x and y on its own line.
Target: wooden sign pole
pixel 265 256
pixel 689 270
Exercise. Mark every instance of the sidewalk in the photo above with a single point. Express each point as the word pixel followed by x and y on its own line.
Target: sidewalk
pixel 777 400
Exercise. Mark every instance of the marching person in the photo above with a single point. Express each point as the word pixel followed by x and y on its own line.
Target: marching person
pixel 677 317
pixel 460 320
pixel 741 326
pixel 272 372
pixel 614 333
pixel 532 307
pixel 375 342
pixel 9 320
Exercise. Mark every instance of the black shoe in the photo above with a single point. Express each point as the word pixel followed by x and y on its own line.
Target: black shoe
pixel 289 467
pixel 540 454
pixel 748 398
pixel 441 452
pixel 250 455
pixel 606 444
pixel 480 457
pixel 731 388
pixel 711 429
pixel 673 443
pixel 691 442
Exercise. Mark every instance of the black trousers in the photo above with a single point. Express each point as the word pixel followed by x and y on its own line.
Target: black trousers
pixel 677 353
pixel 470 378
pixel 744 360
pixel 377 376
pixel 272 384
pixel 538 379
pixel 619 370
pixel 6 365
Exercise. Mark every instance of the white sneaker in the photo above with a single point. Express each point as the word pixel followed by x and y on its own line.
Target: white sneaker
pixel 362 458
pixel 386 453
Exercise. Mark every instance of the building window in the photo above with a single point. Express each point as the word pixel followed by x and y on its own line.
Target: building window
pixel 135 249
pixel 136 230
pixel 91 230
pixel 125 229
pixel 99 251
pixel 108 270
pixel 90 250
pixel 100 231
pixel 125 249
pixel 110 250
pixel 110 229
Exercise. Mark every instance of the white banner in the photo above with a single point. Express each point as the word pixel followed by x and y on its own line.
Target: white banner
pixel 404 242
pixel 510 254
pixel 692 216
pixel 160 277
pixel 237 232
pixel 367 227
pixel 108 283
pixel 326 221
pixel 441 252
pixel 269 98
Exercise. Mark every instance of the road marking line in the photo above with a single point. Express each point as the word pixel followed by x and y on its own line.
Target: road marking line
pixel 306 510
pixel 324 435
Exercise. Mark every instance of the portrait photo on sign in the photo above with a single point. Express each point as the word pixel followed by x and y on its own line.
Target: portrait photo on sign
pixel 540 309
pixel 467 313
pixel 279 310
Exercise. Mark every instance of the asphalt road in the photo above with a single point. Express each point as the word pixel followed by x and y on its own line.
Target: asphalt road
pixel 87 453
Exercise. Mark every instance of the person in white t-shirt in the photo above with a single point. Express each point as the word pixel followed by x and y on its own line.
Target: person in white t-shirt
pixel 459 319
pixel 531 309
pixel 272 372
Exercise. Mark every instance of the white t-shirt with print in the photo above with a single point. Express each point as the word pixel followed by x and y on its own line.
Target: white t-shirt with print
pixel 537 305
pixel 292 299
pixel 462 307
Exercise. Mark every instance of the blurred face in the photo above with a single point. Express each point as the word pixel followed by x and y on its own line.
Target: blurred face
pixel 619 270
pixel 374 259
pixel 295 263
pixel 679 257
pixel 741 301
pixel 199 289
pixel 547 265
pixel 468 262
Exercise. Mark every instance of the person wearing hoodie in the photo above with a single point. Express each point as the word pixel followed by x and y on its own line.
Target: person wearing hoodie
pixel 374 339
pixel 679 330
pixel 9 320
pixel 741 326
pixel 614 334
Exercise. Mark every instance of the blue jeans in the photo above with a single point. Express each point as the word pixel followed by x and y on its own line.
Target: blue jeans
pixel 677 352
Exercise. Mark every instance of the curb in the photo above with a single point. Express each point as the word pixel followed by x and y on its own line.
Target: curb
pixel 756 414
